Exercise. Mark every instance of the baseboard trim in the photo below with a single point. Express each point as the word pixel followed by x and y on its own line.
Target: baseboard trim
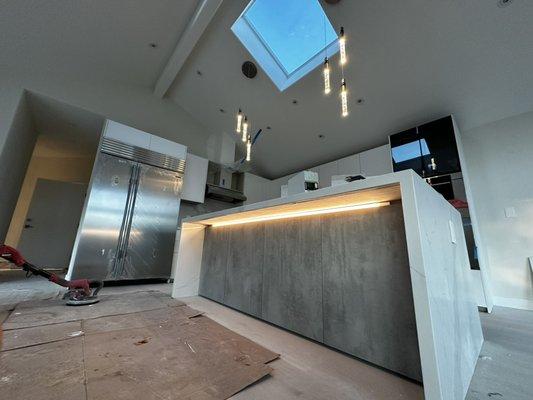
pixel 510 302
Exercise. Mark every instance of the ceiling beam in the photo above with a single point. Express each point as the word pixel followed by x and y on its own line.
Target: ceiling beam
pixel 202 17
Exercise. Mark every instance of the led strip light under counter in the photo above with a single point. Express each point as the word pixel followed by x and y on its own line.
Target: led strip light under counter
pixel 303 213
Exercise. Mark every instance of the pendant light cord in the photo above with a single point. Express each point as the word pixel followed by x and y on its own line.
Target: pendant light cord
pixel 325 40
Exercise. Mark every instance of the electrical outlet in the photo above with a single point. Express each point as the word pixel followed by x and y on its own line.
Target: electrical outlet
pixel 510 212
pixel 453 237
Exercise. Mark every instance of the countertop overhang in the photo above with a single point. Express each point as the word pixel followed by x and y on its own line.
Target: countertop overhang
pixel 370 192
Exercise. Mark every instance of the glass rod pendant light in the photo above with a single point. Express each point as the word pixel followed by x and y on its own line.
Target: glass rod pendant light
pixel 344 99
pixel 244 129
pixel 327 86
pixel 239 121
pixel 249 148
pixel 342 47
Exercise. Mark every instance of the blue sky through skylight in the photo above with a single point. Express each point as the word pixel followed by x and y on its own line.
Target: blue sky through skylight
pixel 293 30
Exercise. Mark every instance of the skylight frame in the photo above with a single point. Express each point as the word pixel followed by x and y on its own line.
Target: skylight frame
pixel 258 47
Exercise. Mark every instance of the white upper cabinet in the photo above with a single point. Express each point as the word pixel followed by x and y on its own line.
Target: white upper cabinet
pixel 164 146
pixel 257 188
pixel 376 161
pixel 126 134
pixel 194 179
pixel 349 165
pixel 325 172
pixel 145 140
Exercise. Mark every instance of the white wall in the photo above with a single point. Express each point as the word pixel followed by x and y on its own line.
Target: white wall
pixel 64 168
pixel 499 158
pixel 16 145
pixel 132 105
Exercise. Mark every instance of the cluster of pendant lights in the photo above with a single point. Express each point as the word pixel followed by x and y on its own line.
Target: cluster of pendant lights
pixel 342 62
pixel 243 127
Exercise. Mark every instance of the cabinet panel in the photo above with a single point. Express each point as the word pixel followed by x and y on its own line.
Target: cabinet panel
pixel 244 274
pixel 194 179
pixel 349 165
pixel 325 172
pixel 127 134
pixel 254 188
pixel 214 262
pixel 168 147
pixel 292 276
pixel 376 161
pixel 368 301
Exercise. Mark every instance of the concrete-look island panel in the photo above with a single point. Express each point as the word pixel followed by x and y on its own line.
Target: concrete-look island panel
pixel 375 268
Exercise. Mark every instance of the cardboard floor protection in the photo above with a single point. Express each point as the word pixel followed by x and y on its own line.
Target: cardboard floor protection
pixel 168 351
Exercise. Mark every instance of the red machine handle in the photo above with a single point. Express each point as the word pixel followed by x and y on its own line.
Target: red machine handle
pixel 11 254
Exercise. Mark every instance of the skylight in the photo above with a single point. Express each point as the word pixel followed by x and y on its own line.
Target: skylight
pixel 287 38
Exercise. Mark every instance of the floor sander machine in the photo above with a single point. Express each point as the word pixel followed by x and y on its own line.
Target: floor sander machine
pixel 80 291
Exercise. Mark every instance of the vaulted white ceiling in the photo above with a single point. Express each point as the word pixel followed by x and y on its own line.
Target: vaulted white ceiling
pixel 104 40
pixel 411 61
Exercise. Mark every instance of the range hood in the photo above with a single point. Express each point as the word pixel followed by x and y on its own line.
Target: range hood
pixel 223 184
pixel 224 194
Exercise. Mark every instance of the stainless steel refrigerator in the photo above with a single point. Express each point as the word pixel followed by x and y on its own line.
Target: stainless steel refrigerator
pixel 130 219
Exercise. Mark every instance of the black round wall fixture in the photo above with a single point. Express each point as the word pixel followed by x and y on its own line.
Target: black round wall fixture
pixel 249 69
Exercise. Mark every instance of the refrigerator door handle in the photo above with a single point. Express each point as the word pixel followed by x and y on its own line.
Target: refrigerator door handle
pixel 125 226
pixel 130 211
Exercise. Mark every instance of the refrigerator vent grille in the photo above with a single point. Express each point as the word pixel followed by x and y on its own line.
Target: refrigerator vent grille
pixel 145 156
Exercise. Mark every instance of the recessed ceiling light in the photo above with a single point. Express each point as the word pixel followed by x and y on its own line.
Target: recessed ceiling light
pixel 153 45
pixel 361 101
pixel 504 3
pixel 198 72
pixel 269 128
pixel 222 110
pixel 321 136
pixel 294 101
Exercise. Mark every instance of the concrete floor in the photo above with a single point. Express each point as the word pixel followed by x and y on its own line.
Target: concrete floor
pixel 307 370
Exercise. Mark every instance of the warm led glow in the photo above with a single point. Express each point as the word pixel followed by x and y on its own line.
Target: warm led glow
pixel 327 87
pixel 342 47
pixel 239 121
pixel 302 213
pixel 344 99
pixel 249 149
pixel 245 129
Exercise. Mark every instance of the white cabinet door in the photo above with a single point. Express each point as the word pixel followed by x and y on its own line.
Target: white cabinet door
pixel 168 147
pixel 349 165
pixel 127 134
pixel 194 179
pixel 376 161
pixel 325 172
pixel 257 188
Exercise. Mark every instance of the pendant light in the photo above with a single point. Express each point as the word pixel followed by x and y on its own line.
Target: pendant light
pixel 342 47
pixel 327 86
pixel 344 99
pixel 344 89
pixel 249 148
pixel 245 129
pixel 239 121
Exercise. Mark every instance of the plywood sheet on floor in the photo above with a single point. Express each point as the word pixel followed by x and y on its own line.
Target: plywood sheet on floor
pixel 168 352
pixel 51 371
pixel 37 313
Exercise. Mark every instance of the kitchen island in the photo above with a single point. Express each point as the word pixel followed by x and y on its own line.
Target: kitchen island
pixel 375 268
